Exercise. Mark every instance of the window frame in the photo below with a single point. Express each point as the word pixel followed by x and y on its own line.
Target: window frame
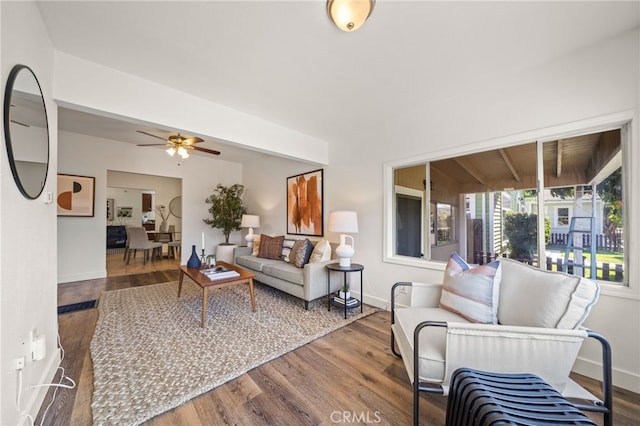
pixel 626 121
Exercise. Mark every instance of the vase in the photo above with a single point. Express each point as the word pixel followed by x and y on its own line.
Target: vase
pixel 194 260
pixel 163 226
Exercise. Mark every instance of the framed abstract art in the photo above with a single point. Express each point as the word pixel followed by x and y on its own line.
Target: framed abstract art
pixel 305 212
pixel 76 195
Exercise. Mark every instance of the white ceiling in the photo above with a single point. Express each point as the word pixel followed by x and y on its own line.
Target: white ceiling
pixel 284 61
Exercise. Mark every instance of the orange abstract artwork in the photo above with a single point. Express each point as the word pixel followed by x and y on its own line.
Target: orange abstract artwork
pixel 304 204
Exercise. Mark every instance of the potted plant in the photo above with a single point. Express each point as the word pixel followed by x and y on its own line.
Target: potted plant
pixel 161 210
pixel 344 292
pixel 226 209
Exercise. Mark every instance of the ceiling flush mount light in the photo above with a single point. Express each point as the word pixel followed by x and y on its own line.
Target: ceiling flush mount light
pixel 349 15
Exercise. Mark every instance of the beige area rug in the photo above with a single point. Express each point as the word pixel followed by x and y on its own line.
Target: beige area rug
pixel 151 355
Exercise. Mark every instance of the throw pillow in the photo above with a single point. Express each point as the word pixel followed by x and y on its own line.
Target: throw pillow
pixel 301 256
pixel 256 245
pixel 287 245
pixel 270 247
pixel 539 298
pixel 294 250
pixel 321 252
pixel 471 292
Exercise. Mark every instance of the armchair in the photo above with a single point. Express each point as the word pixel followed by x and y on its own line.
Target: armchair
pixel 537 330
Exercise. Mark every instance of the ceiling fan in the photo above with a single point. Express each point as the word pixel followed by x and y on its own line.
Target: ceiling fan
pixel 179 144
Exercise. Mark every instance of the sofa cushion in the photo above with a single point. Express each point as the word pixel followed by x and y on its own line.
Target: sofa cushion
pixel 321 252
pixel 287 245
pixel 538 298
pixel 301 252
pixel 471 292
pixel 294 250
pixel 255 263
pixel 256 245
pixel 433 340
pixel 284 271
pixel 271 247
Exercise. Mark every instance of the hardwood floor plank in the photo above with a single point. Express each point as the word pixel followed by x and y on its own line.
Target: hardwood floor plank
pixel 348 374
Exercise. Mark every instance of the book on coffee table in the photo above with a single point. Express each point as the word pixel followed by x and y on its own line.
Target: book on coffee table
pixel 219 273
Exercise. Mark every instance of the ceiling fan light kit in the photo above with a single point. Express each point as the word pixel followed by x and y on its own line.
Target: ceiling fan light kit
pixel 179 144
pixel 349 15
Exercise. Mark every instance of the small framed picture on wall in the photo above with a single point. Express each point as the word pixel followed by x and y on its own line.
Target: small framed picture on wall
pixel 76 195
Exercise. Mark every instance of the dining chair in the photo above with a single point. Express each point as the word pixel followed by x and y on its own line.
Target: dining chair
pixel 138 240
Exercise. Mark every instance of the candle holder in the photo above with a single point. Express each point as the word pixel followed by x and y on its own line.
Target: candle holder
pixel 203 259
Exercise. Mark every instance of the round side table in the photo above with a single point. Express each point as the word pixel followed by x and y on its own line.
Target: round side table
pixel 354 267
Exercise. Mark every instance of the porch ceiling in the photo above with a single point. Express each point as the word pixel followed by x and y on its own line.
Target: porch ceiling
pixel 567 162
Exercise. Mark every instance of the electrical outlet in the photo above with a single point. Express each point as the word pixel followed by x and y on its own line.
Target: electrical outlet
pixel 18 363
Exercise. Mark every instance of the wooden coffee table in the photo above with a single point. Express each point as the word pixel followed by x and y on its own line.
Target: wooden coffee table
pixel 205 283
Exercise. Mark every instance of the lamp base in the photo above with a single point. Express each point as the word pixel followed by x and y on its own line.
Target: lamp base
pixel 250 237
pixel 345 252
pixel 345 262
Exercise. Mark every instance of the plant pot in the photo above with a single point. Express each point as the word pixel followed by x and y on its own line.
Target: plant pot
pixel 345 296
pixel 224 252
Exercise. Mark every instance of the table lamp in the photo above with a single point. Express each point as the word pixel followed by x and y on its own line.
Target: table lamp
pixel 343 222
pixel 250 221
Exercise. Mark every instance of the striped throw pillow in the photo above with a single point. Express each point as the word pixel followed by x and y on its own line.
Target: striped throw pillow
pixel 287 245
pixel 471 292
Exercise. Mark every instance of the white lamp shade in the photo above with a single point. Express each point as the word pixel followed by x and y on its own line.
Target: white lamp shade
pixel 250 221
pixel 344 222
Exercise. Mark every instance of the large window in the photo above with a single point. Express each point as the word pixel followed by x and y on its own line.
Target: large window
pixel 524 201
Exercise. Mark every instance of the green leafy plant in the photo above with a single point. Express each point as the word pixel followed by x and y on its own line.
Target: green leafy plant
pixel 226 209
pixel 521 230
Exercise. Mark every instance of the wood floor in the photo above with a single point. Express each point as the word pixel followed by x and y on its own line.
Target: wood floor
pixel 346 377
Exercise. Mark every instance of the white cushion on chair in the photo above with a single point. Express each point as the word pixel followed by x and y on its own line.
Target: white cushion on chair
pixel 535 298
pixel 432 340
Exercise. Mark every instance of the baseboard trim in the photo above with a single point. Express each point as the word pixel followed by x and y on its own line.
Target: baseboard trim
pixel 82 277
pixel 621 378
pixel 36 395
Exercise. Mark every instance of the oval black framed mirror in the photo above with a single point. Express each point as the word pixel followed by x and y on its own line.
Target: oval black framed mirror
pixel 26 131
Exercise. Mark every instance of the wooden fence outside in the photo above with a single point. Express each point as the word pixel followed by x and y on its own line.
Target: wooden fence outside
pixel 604 271
pixel 603 242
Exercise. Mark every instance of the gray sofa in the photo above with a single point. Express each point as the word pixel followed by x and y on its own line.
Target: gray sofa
pixel 307 283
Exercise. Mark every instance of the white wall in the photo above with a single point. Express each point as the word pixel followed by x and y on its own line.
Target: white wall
pixel 90 86
pixel 593 82
pixel 82 241
pixel 28 229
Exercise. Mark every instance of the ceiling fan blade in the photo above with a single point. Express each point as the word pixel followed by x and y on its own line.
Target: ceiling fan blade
pixel 152 144
pixel 208 151
pixel 21 124
pixel 191 141
pixel 149 134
